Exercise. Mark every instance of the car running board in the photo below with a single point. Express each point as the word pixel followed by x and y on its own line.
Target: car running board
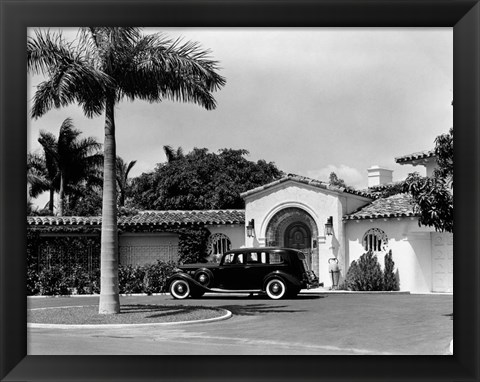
pixel 216 290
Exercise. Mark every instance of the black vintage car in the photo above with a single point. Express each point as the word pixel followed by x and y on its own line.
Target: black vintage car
pixel 278 272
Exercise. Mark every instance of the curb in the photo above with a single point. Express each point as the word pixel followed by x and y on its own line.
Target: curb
pixel 326 291
pixel 227 314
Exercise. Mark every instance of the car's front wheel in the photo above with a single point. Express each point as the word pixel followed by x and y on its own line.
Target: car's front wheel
pixel 276 289
pixel 179 289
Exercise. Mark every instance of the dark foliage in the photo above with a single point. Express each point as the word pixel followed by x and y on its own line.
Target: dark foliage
pixel 390 281
pixel 202 180
pixel 386 190
pixel 193 244
pixel 433 196
pixel 335 181
pixel 365 274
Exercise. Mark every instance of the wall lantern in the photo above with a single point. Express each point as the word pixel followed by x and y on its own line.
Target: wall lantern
pixel 250 228
pixel 329 226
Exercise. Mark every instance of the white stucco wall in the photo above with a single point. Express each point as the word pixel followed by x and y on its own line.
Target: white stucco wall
pixel 318 203
pixel 410 245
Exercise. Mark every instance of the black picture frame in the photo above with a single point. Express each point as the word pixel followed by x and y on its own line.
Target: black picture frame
pixel 17 16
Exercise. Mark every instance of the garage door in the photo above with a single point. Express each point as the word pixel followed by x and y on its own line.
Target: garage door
pixel 442 262
pixel 142 249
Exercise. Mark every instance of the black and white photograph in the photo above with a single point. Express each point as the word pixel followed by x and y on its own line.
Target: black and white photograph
pixel 240 191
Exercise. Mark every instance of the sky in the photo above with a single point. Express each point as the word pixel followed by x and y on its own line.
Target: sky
pixel 311 100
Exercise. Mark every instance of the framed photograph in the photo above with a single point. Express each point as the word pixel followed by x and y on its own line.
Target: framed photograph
pixel 299 24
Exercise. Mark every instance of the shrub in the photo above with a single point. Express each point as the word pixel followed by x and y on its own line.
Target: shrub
pixel 32 280
pixel 390 281
pixel 130 279
pixel 365 274
pixel 156 275
pixel 53 281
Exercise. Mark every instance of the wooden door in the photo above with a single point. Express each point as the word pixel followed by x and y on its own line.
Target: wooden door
pixel 298 236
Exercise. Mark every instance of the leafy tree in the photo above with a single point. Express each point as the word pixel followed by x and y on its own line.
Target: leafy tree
pixel 98 70
pixel 123 183
pixel 335 181
pixel 444 157
pixel 202 180
pixel 87 201
pixel 432 195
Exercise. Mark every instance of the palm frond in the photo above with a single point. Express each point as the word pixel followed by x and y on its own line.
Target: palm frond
pixel 161 68
pixel 72 76
pixel 45 51
pixel 129 167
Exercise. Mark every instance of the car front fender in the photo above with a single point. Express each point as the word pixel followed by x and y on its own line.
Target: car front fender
pixel 184 276
pixel 292 280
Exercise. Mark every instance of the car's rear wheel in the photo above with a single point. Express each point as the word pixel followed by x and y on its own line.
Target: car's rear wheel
pixel 179 289
pixel 276 289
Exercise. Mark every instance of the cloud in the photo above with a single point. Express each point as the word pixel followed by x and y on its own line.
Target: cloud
pixel 350 175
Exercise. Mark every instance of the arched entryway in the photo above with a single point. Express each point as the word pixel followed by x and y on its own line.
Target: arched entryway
pixel 299 236
pixel 293 227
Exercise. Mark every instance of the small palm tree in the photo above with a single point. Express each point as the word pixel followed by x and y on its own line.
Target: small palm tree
pixel 38 179
pixel 173 155
pixel 123 183
pixel 104 66
pixel 69 160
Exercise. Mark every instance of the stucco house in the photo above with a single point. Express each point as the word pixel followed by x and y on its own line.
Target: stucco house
pixel 323 221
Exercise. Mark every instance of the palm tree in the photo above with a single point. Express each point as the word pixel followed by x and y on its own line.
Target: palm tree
pixel 123 183
pixel 38 179
pixel 70 161
pixel 98 70
pixel 173 155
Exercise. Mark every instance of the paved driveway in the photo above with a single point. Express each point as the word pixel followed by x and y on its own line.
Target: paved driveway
pixel 311 324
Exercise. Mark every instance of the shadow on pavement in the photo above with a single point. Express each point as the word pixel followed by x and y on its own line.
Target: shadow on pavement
pixel 255 309
pixel 159 310
pixel 226 296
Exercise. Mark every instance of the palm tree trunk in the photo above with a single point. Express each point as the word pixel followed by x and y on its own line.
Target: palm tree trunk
pixel 121 201
pixel 50 202
pixel 61 196
pixel 109 298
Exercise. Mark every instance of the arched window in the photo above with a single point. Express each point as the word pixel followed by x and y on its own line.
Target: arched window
pixel 375 240
pixel 218 244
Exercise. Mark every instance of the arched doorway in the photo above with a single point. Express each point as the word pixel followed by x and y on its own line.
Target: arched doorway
pixel 293 227
pixel 299 236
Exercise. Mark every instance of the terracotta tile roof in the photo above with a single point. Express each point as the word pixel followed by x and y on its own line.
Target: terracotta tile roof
pixel 399 205
pixel 415 156
pixel 154 218
pixel 306 180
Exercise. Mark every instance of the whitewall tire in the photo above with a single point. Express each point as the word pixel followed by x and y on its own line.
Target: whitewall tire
pixel 179 289
pixel 276 289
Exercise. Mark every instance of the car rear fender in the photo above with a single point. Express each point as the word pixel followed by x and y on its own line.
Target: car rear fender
pixel 288 278
pixel 184 276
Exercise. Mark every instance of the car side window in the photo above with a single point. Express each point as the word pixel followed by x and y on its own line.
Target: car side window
pixel 228 258
pixel 239 259
pixel 275 258
pixel 252 258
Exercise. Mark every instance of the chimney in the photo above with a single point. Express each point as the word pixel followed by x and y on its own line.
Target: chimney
pixel 378 175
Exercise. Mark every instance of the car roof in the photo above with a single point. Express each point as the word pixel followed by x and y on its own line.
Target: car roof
pixel 265 249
